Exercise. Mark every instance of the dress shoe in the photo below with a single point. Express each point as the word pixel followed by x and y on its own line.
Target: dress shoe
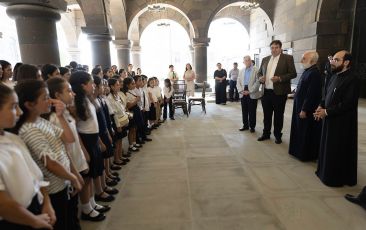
pixel 172 118
pixel 115 167
pixel 243 129
pixel 88 217
pixel 133 149
pixel 263 138
pixel 119 163
pixel 110 191
pixel 125 160
pixel 103 209
pixel 111 183
pixel 115 174
pixel 126 155
pixel 278 141
pixel 252 130
pixel 100 198
pixel 355 200
pixel 147 139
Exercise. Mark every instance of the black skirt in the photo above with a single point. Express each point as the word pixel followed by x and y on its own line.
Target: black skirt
pixel 152 112
pixel 96 164
pixel 108 144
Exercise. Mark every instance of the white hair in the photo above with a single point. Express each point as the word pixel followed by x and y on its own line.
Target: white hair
pixel 247 57
pixel 314 56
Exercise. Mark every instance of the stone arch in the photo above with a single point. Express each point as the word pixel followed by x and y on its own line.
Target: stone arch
pixel 148 17
pixel 118 19
pixel 334 22
pixel 236 14
pixel 135 11
pixel 266 9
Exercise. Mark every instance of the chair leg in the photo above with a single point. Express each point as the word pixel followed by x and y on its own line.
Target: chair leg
pixel 189 107
pixel 204 106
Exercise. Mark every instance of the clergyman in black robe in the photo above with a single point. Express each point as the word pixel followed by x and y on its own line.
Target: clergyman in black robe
pixel 337 165
pixel 305 130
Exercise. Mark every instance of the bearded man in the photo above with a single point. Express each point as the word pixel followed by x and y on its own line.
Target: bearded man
pixel 305 131
pixel 337 165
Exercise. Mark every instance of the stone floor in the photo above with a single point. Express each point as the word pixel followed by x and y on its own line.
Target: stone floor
pixel 201 173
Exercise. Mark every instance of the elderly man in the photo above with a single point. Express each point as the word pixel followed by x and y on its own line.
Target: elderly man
pixel 337 165
pixel 305 131
pixel 275 73
pixel 249 91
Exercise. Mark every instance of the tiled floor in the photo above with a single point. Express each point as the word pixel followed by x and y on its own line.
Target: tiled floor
pixel 201 173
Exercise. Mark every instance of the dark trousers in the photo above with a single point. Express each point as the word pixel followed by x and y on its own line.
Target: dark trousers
pixel 34 207
pixel 139 123
pixel 73 219
pixel 249 111
pixel 273 104
pixel 60 203
pixel 168 102
pixel 233 91
pixel 220 89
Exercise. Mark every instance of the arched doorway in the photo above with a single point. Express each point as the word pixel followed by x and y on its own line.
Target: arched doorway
pixel 164 42
pixel 229 43
pixel 9 46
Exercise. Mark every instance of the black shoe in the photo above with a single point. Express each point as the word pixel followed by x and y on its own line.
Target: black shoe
pixel 125 160
pixel 126 155
pixel 147 139
pixel 278 141
pixel 243 129
pixel 105 208
pixel 172 118
pixel 262 138
pixel 116 174
pixel 119 163
pixel 108 198
pixel 141 142
pixel 111 183
pixel 110 191
pixel 252 130
pixel 116 178
pixel 97 218
pixel 137 145
pixel 133 149
pixel 355 200
pixel 115 167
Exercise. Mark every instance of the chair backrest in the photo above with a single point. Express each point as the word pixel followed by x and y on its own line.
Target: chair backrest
pixel 204 89
pixel 180 91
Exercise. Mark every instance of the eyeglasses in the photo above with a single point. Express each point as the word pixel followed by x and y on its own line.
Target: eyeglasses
pixel 336 60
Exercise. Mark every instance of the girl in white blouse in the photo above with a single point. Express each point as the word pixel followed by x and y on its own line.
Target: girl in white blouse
pixel 24 201
pixel 46 143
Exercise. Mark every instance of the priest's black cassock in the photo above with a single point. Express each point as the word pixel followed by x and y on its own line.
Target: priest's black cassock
pixel 337 165
pixel 305 133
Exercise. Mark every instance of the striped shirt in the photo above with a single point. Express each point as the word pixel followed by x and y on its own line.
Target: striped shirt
pixel 44 139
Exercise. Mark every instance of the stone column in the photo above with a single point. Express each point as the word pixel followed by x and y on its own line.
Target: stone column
pixel 123 52
pixel 99 38
pixel 200 58
pixel 36 27
pixel 136 56
pixel 191 49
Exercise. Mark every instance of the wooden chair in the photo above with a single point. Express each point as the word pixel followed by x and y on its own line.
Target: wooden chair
pixel 180 97
pixel 198 100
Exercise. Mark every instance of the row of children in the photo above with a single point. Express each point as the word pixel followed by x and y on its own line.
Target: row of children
pixel 65 145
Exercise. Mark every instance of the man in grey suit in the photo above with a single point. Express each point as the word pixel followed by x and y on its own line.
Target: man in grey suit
pixel 250 90
pixel 275 73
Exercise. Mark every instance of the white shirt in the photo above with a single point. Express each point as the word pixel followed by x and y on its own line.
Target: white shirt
pixel 74 149
pixel 168 92
pixel 20 176
pixel 90 126
pixel 157 91
pixel 44 139
pixel 271 68
pixel 151 90
pixel 145 101
pixel 116 107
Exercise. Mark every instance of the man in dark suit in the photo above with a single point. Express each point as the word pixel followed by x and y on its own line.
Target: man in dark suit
pixel 275 73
